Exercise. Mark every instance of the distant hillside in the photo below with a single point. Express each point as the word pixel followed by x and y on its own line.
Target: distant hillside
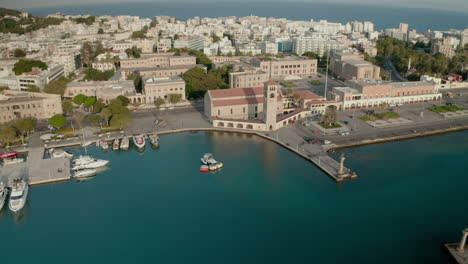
pixel 9 12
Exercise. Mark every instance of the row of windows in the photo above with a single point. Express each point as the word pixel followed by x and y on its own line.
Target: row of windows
pixel 27 106
pixel 232 111
pixel 165 90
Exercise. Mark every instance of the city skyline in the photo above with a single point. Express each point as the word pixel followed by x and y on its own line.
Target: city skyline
pixel 452 5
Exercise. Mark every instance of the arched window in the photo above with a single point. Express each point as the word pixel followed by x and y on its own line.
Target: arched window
pixel 272 95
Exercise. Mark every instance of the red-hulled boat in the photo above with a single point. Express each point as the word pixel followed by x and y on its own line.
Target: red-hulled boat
pixel 204 168
pixel 10 154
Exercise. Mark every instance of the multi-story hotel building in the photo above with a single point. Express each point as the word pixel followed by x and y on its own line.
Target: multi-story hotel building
pixel 352 66
pixel 157 60
pixel 18 104
pixel 291 67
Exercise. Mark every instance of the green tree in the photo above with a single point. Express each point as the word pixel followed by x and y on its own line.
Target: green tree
pixel 159 102
pixel 98 106
pixel 120 120
pixel 90 101
pixel 93 118
pixel 24 125
pixel 175 98
pixel 57 86
pixel 330 118
pixel 79 99
pixel 124 100
pixel 97 75
pixel 100 31
pixel 106 114
pixel 19 53
pixel 33 88
pixel 311 54
pixel 23 66
pixel 138 34
pixel 57 121
pixel 67 106
pixel 215 38
pixel 7 134
pixel 4 88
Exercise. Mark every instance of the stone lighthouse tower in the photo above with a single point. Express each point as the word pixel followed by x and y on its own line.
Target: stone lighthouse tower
pixel 270 101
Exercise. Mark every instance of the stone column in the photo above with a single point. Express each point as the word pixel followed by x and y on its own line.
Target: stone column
pixel 461 247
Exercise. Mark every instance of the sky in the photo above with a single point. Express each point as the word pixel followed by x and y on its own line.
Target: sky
pixel 452 5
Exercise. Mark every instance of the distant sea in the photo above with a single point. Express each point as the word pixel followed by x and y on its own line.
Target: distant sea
pixel 383 17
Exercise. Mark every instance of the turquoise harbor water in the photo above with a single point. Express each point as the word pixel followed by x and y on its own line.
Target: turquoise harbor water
pixel 265 206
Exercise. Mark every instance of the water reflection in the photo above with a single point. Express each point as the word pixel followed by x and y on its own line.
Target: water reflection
pixel 20 217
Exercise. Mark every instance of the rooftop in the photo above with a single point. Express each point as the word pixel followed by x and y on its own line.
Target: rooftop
pixel 235 92
pixel 166 79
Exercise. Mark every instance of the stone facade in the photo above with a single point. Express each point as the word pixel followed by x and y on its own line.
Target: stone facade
pixel 247 78
pixel 290 67
pixel 163 87
pixel 352 66
pixel 17 104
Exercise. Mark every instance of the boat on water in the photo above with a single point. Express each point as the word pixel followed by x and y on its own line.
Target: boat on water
pixel 124 143
pixel 60 153
pixel 94 164
pixel 82 160
pixel 207 157
pixel 10 154
pixel 154 139
pixel 3 195
pixel 103 143
pixel 204 168
pixel 19 195
pixel 12 161
pixel 139 141
pixel 116 144
pixel 213 167
pixel 84 173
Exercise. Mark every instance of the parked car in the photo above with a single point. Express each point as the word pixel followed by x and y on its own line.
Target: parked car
pixel 399 104
pixel 346 122
pixel 392 105
pixel 343 132
pixel 326 142
pixel 309 140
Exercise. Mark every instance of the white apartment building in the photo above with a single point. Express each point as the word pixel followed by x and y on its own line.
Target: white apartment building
pixel 316 44
pixel 269 48
pixel 193 42
pixel 164 45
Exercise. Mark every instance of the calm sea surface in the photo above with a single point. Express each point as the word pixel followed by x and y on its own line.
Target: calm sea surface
pixel 383 17
pixel 265 206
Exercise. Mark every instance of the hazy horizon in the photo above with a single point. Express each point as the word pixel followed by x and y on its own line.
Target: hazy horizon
pixel 451 5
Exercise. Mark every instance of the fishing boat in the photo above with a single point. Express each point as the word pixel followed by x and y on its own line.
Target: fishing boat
pixel 95 163
pixel 103 143
pixel 115 145
pixel 12 161
pixel 3 195
pixel 9 154
pixel 60 153
pixel 139 141
pixel 19 194
pixel 204 168
pixel 124 144
pixel 154 139
pixel 84 173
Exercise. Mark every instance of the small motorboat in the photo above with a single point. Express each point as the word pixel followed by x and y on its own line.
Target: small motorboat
pixel 12 161
pixel 3 195
pixel 103 143
pixel 219 165
pixel 124 144
pixel 213 167
pixel 10 154
pixel 116 145
pixel 60 153
pixel 154 139
pixel 206 157
pixel 139 141
pixel 84 173
pixel 204 168
pixel 19 194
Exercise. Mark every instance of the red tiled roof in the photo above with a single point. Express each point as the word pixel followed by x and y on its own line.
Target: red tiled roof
pixel 240 101
pixel 235 92
pixel 308 95
pixel 271 83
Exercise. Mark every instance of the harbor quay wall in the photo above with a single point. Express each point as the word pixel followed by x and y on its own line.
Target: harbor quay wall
pixel 398 138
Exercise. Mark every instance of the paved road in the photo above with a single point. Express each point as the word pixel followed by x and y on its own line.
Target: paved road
pixel 395 76
pixel 117 75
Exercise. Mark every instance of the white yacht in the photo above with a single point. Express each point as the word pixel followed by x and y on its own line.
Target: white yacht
pixel 12 161
pixel 96 163
pixel 82 160
pixel 60 153
pixel 124 144
pixel 3 195
pixel 139 141
pixel 84 173
pixel 104 144
pixel 18 196
pixel 208 159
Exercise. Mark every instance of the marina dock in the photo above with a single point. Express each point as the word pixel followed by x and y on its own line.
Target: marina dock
pixel 459 251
